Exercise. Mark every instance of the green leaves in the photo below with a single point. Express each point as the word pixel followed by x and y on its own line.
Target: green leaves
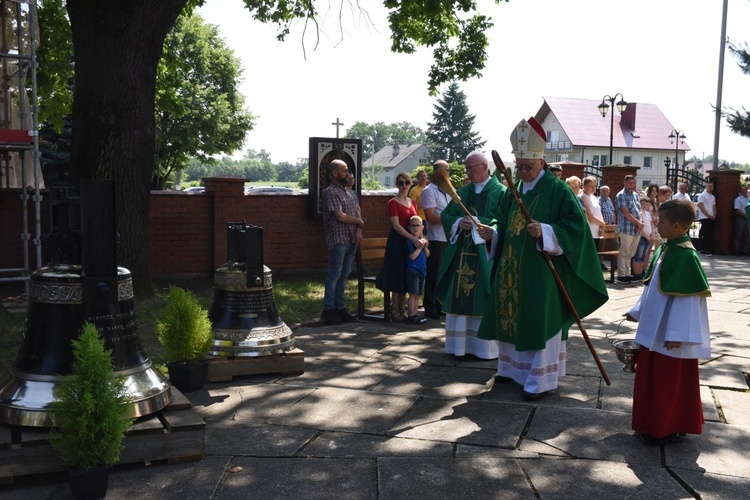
pixel 199 109
pixel 184 328
pixel 451 134
pixel 90 407
pixel 459 39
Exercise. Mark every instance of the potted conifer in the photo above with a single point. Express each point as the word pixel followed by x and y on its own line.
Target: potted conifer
pixel 90 410
pixel 185 332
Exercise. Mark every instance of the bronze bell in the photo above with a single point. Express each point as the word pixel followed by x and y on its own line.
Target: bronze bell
pixel 243 312
pixel 55 317
pixel 62 297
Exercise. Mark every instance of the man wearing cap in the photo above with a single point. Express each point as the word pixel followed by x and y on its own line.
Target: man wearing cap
pixel 527 312
pixel 464 277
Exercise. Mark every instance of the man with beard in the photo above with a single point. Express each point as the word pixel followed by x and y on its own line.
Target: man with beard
pixel 342 226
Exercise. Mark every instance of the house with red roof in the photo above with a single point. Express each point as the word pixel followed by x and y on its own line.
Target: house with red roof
pixel 577 131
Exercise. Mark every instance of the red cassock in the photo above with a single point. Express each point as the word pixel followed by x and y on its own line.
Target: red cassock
pixel 666 396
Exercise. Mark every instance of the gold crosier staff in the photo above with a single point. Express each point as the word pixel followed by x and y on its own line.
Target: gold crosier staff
pixel 441 179
pixel 501 167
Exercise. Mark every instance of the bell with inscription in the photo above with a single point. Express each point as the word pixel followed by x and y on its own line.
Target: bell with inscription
pixel 86 285
pixel 243 312
pixel 55 317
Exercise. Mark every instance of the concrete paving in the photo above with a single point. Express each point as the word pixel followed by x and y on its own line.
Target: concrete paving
pixel 382 413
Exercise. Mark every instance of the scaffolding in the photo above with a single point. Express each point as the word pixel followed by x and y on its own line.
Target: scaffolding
pixel 19 138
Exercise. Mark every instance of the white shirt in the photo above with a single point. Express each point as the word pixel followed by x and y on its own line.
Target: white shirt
pixel 681 196
pixel 671 318
pixel 709 205
pixel 434 197
pixel 596 211
pixel 740 203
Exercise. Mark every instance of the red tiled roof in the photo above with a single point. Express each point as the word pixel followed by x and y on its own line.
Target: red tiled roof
pixel 641 126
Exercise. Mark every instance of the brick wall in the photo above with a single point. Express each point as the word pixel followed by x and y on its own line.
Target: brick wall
pixel 187 232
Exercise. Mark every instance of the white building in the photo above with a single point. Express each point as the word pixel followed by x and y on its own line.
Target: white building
pixel 394 159
pixel 576 131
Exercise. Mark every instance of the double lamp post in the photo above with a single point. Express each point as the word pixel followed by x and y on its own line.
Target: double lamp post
pixel 604 108
pixel 676 138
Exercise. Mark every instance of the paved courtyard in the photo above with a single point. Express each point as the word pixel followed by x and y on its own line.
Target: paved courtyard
pixel 382 413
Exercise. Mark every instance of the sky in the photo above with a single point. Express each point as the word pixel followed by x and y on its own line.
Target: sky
pixel 662 52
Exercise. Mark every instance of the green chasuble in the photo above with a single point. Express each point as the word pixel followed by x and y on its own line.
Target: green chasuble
pixel 526 308
pixel 681 272
pixel 464 278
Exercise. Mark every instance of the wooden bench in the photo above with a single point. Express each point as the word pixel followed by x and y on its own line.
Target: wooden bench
pixel 371 250
pixel 608 248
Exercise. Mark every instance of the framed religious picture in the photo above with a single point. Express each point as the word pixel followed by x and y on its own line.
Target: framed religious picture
pixel 322 152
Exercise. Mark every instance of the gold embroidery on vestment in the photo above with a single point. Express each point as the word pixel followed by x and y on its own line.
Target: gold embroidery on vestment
pixel 466 275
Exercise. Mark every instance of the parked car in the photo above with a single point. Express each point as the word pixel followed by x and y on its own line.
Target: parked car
pixel 195 190
pixel 268 190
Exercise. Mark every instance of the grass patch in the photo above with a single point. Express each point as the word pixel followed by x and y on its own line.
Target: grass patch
pixel 297 301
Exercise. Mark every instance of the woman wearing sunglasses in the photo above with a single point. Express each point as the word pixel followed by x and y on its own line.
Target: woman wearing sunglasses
pixel 392 277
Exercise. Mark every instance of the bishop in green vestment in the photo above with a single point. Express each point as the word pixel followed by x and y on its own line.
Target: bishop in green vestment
pixel 464 277
pixel 526 311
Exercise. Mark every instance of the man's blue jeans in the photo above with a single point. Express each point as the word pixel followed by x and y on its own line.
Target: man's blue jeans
pixel 339 267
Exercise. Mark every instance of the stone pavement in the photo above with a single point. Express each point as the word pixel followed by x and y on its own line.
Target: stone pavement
pixel 382 413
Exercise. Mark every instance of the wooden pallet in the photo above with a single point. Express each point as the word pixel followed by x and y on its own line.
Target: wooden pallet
pixel 221 369
pixel 174 434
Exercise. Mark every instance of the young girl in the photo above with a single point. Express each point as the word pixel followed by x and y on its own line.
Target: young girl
pixel 673 333
pixel 416 270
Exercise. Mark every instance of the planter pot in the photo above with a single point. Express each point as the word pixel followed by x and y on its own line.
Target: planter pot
pixel 89 484
pixel 188 377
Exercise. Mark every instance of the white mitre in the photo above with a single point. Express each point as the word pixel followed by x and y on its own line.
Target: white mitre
pixel 528 140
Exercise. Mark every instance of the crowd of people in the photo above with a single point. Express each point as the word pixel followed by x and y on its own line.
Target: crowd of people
pixel 512 266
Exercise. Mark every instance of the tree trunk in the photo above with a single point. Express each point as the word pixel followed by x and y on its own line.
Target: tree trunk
pixel 117 46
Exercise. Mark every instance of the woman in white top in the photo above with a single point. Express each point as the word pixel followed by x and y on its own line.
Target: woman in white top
pixel 591 207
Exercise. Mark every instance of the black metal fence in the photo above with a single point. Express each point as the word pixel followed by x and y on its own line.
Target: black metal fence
pixel 593 171
pixel 694 178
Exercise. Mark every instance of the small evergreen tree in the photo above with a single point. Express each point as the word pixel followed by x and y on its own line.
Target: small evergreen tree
pixel 184 328
pixel 451 135
pixel 90 407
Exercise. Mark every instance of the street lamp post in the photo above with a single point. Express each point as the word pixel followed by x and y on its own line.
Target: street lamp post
pixel 603 108
pixel 675 138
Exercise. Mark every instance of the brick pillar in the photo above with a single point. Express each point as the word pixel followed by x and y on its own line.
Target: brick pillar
pixel 228 194
pixel 614 177
pixel 571 170
pixel 726 183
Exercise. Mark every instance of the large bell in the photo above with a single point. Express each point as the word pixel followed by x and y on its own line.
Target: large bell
pixel 243 312
pixel 55 317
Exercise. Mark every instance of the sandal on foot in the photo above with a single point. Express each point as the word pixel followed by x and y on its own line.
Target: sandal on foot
pixel 396 315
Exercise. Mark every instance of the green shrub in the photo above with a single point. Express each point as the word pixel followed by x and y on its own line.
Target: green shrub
pixel 90 407
pixel 184 328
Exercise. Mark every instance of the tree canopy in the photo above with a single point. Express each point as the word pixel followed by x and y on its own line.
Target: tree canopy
pixel 199 109
pixel 375 136
pixel 739 121
pixel 117 47
pixel 451 135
